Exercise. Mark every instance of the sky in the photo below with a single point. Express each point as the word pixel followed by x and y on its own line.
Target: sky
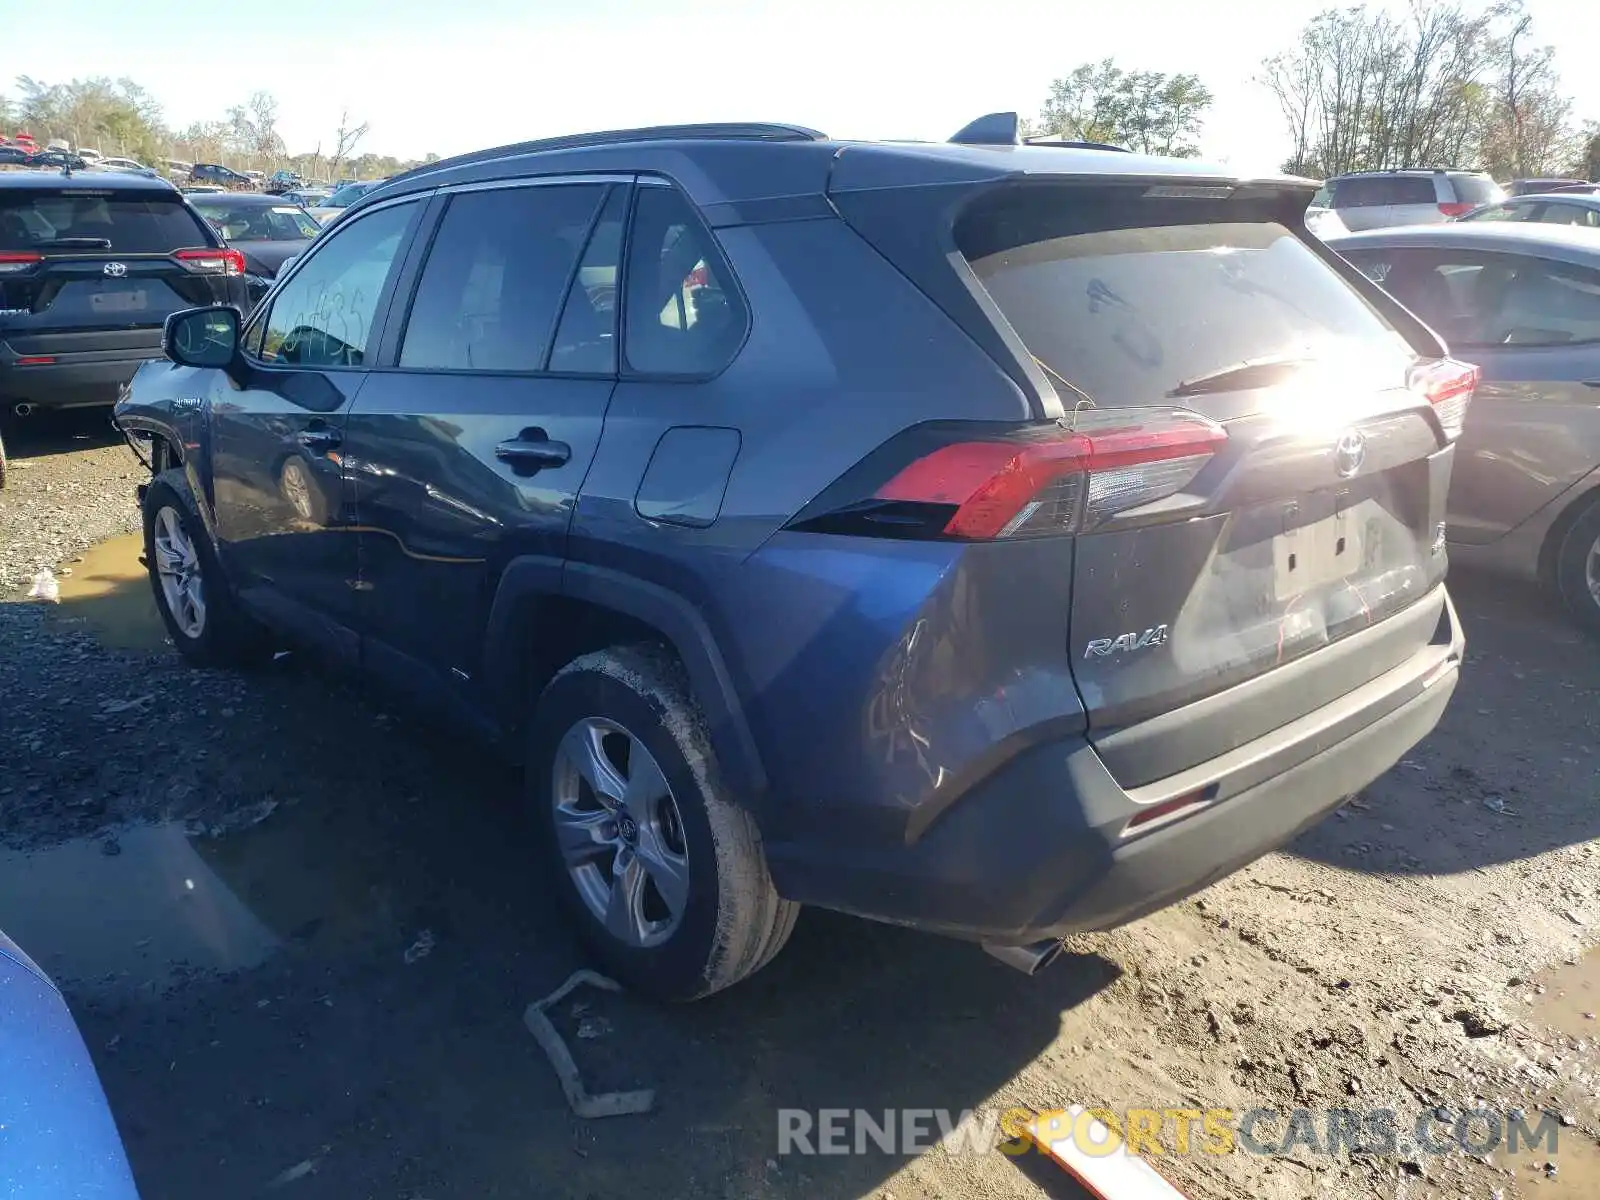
pixel 448 76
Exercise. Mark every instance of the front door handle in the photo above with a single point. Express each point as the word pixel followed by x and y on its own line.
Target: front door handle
pixel 319 438
pixel 532 451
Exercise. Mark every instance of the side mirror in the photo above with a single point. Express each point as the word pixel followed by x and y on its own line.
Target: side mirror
pixel 285 265
pixel 202 337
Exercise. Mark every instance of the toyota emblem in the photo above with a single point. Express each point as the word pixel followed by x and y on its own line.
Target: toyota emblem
pixel 1349 452
pixel 115 269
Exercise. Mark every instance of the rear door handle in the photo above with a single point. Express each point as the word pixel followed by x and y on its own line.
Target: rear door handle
pixel 319 438
pixel 531 451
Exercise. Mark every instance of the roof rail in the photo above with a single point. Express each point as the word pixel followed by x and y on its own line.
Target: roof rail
pixel 992 129
pixel 715 131
pixel 1064 145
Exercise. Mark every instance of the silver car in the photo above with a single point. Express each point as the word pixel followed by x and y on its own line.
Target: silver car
pixel 1522 301
pixel 1561 209
pixel 1380 199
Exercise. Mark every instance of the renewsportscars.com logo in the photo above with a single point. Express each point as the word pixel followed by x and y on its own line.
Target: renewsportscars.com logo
pixel 1099 1132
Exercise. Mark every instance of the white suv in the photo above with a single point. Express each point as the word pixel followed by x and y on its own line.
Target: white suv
pixel 1377 199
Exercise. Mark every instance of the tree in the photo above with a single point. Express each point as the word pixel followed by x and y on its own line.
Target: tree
pixel 1448 86
pixel 1146 111
pixel 1587 163
pixel 120 116
pixel 345 140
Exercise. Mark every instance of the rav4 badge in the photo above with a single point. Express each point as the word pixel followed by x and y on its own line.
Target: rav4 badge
pixel 1124 643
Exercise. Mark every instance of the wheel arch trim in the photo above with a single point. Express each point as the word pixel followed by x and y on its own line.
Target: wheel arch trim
pixel 673 616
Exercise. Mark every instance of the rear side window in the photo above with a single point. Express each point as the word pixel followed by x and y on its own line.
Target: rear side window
pixel 123 223
pixel 495 278
pixel 1476 189
pixel 1491 299
pixel 684 316
pixel 1370 191
pixel 1132 300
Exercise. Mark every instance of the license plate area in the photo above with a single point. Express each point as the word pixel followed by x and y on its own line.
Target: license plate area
pixel 1318 553
pixel 120 301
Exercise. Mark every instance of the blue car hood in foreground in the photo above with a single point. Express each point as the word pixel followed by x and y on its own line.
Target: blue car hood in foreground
pixel 57 1138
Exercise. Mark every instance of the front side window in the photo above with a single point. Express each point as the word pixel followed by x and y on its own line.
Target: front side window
pixel 1508 212
pixel 323 315
pixel 685 317
pixel 495 278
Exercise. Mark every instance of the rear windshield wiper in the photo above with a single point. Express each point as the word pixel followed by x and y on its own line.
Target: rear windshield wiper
pixel 1252 372
pixel 77 243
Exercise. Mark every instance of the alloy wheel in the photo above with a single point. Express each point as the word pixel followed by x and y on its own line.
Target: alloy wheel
pixel 178 569
pixel 1591 570
pixel 619 832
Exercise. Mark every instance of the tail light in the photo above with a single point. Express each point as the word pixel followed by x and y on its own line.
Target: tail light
pixel 1025 483
pixel 16 263
pixel 1456 209
pixel 206 260
pixel 1448 386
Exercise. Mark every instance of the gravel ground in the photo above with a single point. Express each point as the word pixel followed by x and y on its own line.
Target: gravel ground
pixel 299 936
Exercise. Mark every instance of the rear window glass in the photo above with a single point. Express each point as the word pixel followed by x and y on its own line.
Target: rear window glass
pixel 1476 189
pixel 1369 191
pixel 1129 302
pixel 132 224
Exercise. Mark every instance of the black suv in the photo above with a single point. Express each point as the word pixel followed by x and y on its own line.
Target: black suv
pixel 218 174
pixel 91 264
pixel 995 539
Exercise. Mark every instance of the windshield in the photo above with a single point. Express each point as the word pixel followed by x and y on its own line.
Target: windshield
pixel 347 195
pixel 259 222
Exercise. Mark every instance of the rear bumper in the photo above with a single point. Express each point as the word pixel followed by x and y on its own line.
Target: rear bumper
pixel 76 379
pixel 1040 848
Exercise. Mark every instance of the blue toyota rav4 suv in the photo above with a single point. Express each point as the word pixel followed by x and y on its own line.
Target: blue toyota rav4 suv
pixel 996 539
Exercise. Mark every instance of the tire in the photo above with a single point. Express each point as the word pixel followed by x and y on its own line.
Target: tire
pixel 693 843
pixel 1577 572
pixel 216 632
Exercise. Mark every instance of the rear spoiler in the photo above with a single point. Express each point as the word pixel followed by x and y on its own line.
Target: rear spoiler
pixel 1005 129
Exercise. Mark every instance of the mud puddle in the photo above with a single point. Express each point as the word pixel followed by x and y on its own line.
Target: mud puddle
pixel 1570 1002
pixel 129 913
pixel 1570 1172
pixel 108 590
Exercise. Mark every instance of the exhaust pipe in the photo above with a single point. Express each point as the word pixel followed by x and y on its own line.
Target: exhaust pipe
pixel 23 410
pixel 1029 959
